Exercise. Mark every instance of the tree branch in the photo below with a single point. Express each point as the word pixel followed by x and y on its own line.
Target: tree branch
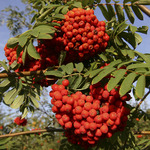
pixel 28 73
pixel 33 132
pixel 142 100
pixel 145 10
pixel 143 132
pixel 56 130
pixel 21 74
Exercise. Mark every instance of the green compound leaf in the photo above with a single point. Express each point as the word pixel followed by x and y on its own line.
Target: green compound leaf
pixel 140 86
pixel 34 101
pixel 69 68
pixel 102 56
pixel 102 74
pixel 93 73
pixel 10 96
pixel 77 4
pixel 105 12
pixel 12 42
pixel 141 65
pixel 62 57
pixel 84 87
pixel 77 82
pixel 58 9
pixel 5 83
pixel 118 75
pixel 143 56
pixel 120 13
pixel 24 55
pixel 32 51
pixel 65 9
pixel 4 65
pixel 23 38
pixel 143 29
pixel 129 13
pixel 17 102
pixel 111 11
pixel 131 53
pixel 127 84
pixel 5 140
pixel 25 112
pixel 43 29
pixel 137 12
pixel 54 73
pixel 79 67
pixel 59 16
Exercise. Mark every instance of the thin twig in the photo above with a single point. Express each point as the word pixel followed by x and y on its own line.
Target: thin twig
pixel 145 10
pixel 32 132
pixel 21 74
pixel 142 100
pixel 142 133
pixel 28 73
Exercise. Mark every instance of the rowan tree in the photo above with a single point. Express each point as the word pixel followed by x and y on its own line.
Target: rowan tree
pixel 92 67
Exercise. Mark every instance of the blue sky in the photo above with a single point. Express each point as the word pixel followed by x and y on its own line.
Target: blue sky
pixel 5 33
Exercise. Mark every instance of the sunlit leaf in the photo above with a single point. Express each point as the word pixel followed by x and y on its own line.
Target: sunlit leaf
pixel 102 74
pixel 140 87
pixel 127 84
pixel 17 102
pixel 32 51
pixel 79 67
pixel 120 13
pixel 12 42
pixel 69 68
pixel 118 75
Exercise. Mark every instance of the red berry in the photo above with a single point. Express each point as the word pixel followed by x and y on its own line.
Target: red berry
pixel 78 109
pixel 85 114
pixel 92 113
pixel 93 126
pixel 77 125
pixel 87 106
pixel 70 101
pixel 68 125
pixel 98 132
pixel 86 125
pixel 58 103
pixel 54 87
pixel 89 99
pixel 98 119
pixel 57 95
pixel 105 116
pixel 82 130
pixel 113 116
pixel 65 118
pixel 105 95
pixel 104 129
pixel 60 87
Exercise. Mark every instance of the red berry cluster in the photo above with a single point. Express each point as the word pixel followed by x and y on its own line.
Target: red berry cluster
pixel 82 35
pixel 20 122
pixel 89 118
pixel 1 127
pixel 11 54
pixel 48 59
